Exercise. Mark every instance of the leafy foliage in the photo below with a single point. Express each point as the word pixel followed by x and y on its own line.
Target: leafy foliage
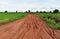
pixel 56 11
pixel 6 11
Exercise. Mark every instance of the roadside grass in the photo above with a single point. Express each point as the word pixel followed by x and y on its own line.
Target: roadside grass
pixel 52 19
pixel 10 16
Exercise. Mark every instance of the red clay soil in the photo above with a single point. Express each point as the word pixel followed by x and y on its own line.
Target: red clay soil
pixel 30 27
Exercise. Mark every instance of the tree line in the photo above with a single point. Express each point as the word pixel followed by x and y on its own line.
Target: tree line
pixel 54 11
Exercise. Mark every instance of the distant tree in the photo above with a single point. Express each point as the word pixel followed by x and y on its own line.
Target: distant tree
pixel 37 11
pixel 16 11
pixel 40 11
pixel 26 12
pixel 50 12
pixel 6 11
pixel 29 11
pixel 55 11
pixel 44 12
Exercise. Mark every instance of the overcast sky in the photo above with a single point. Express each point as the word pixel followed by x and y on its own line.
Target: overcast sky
pixel 33 5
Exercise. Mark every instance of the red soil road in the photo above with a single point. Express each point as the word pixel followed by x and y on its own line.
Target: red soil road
pixel 30 27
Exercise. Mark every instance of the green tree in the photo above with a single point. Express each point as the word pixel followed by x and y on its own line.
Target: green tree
pixel 55 11
pixel 37 11
pixel 44 11
pixel 50 12
pixel 16 11
pixel 41 12
pixel 29 11
pixel 6 11
pixel 26 12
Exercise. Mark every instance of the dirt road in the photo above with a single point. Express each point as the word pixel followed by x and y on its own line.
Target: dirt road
pixel 30 27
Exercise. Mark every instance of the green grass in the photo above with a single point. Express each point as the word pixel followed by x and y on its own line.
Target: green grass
pixel 10 16
pixel 52 20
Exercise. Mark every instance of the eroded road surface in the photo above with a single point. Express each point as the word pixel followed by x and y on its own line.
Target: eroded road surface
pixel 30 27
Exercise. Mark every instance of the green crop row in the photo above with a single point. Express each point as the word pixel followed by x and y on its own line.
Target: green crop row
pixel 52 19
pixel 8 17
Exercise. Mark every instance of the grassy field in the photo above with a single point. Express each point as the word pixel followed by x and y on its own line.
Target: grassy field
pixel 8 17
pixel 53 20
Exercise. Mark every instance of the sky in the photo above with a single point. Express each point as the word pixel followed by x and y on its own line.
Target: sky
pixel 33 5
